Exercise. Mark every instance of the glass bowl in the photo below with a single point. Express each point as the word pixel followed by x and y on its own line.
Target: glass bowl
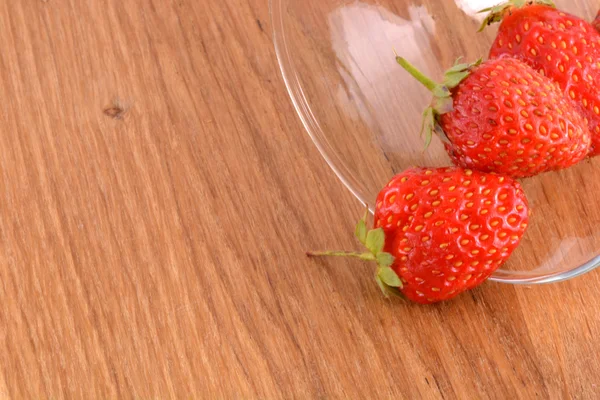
pixel 363 111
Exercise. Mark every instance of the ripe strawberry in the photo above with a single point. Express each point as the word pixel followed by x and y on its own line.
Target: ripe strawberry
pixel 502 116
pixel 439 232
pixel 561 46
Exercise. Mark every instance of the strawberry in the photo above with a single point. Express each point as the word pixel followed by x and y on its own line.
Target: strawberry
pixel 502 116
pixel 439 232
pixel 563 47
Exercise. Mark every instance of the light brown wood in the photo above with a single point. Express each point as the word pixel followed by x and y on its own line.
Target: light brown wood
pixel 157 194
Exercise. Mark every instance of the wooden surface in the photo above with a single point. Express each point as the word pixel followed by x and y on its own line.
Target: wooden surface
pixel 157 194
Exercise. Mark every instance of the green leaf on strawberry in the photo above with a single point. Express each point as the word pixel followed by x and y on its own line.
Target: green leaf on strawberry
pixel 389 277
pixel 442 102
pixel 457 73
pixel 496 13
pixel 361 231
pixel 384 259
pixel 388 290
pixel 375 241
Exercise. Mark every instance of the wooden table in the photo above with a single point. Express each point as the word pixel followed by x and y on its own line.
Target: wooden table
pixel 157 195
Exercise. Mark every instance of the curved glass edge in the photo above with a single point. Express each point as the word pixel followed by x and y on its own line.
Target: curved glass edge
pixel 522 279
pixel 303 110
pixel 310 123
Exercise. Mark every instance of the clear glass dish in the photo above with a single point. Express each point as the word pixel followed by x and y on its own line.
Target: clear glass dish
pixel 363 112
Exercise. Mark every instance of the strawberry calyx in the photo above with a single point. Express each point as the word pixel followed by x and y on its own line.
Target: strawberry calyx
pixel 442 94
pixel 497 12
pixel 374 240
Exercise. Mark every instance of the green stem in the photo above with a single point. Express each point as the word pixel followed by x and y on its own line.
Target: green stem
pixel 362 256
pixel 418 75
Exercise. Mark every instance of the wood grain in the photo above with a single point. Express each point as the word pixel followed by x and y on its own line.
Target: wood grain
pixel 157 196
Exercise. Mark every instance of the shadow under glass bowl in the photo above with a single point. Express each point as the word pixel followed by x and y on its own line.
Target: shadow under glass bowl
pixel 363 112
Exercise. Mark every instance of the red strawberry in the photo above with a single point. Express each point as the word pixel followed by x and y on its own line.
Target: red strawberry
pixel 502 116
pixel 561 46
pixel 439 232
